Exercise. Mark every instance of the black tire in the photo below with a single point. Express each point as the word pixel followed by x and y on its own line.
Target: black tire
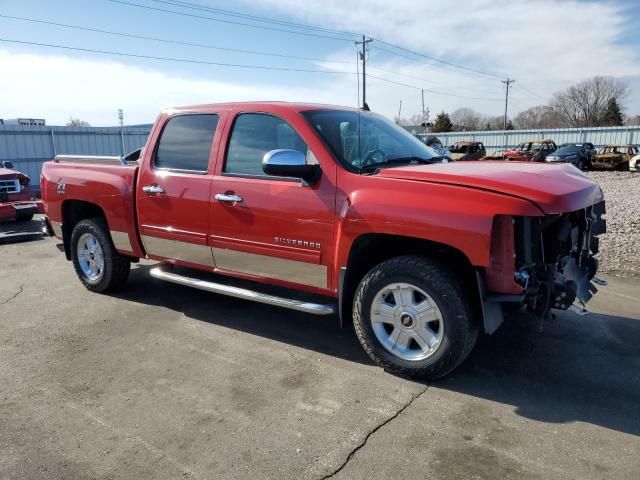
pixel 24 218
pixel 116 268
pixel 460 328
pixel 624 167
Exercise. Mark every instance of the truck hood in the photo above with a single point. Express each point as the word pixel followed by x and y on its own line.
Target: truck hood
pixel 6 174
pixel 553 188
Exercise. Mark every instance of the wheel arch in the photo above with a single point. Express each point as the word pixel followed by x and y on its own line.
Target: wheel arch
pixel 73 211
pixel 371 249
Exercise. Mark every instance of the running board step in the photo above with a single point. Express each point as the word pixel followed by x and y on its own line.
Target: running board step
pixel 301 306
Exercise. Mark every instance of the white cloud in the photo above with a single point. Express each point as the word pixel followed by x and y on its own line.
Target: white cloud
pixel 545 45
pixel 56 87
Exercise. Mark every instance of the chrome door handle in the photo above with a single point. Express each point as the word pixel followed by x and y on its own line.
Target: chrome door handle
pixel 152 189
pixel 231 198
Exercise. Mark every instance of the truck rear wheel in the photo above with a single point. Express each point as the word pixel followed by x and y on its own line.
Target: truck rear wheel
pixel 412 318
pixel 97 263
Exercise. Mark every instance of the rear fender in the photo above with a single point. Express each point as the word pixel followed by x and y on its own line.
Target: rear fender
pixel 109 188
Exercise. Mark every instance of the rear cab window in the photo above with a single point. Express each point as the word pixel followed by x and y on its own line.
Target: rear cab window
pixel 185 143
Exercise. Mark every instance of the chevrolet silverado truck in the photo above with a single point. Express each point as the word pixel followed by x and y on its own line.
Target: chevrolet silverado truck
pixel 344 213
pixel 17 198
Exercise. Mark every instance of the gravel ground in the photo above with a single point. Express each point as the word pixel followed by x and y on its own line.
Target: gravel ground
pixel 619 246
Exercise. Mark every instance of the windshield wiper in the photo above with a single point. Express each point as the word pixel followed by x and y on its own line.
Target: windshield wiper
pixel 412 159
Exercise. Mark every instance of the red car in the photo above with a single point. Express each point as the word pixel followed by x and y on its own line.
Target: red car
pixel 346 212
pixel 17 199
pixel 531 151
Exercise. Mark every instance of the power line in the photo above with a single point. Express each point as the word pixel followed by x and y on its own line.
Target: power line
pixel 433 91
pixel 231 13
pixel 175 42
pixel 531 93
pixel 444 62
pixel 212 19
pixel 173 59
pixel 184 4
pixel 386 70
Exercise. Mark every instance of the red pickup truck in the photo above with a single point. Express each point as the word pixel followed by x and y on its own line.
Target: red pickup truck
pixel 345 212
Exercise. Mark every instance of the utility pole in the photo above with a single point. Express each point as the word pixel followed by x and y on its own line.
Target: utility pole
pixel 424 119
pixel 363 58
pixel 399 113
pixel 121 121
pixel 507 82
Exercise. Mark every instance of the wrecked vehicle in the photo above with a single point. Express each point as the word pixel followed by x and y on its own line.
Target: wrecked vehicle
pixel 420 255
pixel 17 198
pixel 634 164
pixel 578 154
pixel 461 151
pixel 615 157
pixel 531 151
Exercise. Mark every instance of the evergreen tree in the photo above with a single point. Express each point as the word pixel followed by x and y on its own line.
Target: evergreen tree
pixel 612 116
pixel 442 123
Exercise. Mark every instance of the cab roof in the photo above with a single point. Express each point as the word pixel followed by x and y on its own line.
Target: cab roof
pixel 259 105
pixel 540 140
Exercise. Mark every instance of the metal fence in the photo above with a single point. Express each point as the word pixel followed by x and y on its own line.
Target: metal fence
pixel 28 147
pixel 496 141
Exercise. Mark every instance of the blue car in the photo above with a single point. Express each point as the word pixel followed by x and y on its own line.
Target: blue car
pixel 578 154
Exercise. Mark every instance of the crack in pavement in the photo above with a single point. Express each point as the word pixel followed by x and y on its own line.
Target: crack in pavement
pixel 355 450
pixel 20 290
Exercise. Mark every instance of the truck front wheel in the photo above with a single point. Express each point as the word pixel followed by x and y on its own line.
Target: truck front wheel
pixel 412 318
pixel 97 263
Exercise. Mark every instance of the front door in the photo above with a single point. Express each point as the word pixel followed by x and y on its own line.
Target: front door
pixel 174 188
pixel 265 227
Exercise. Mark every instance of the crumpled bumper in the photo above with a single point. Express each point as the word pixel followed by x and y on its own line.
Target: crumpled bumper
pixel 11 210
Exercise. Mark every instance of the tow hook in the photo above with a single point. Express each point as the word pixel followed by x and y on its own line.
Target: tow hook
pixel 578 310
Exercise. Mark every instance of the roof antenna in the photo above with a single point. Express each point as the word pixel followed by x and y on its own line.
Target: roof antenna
pixel 365 107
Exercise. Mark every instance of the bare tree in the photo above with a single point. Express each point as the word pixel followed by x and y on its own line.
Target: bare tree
pixel 76 122
pixel 540 116
pixel 466 119
pixel 493 123
pixel 584 104
pixel 413 120
pixel 632 120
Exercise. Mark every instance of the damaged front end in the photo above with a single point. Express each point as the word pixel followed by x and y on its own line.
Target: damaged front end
pixel 552 260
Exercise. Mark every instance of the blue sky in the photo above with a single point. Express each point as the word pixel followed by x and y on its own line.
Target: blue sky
pixel 545 45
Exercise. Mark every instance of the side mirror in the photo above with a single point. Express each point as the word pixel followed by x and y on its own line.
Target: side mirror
pixel 289 163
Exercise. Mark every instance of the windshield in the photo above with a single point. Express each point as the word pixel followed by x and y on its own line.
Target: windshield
pixel 367 141
pixel 566 149
pixel 458 149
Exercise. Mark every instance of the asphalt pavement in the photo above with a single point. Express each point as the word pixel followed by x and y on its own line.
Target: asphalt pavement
pixel 162 381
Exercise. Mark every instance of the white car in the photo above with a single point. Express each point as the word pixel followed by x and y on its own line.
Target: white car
pixel 634 164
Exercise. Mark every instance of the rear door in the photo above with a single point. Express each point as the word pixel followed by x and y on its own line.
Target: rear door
pixel 174 187
pixel 265 227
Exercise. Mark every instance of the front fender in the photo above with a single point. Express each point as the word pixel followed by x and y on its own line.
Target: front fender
pixel 459 217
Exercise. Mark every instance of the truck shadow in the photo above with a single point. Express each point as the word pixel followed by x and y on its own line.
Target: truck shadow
pixel 583 369
pixel 13 232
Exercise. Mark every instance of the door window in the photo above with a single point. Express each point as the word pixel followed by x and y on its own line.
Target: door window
pixel 185 143
pixel 255 134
